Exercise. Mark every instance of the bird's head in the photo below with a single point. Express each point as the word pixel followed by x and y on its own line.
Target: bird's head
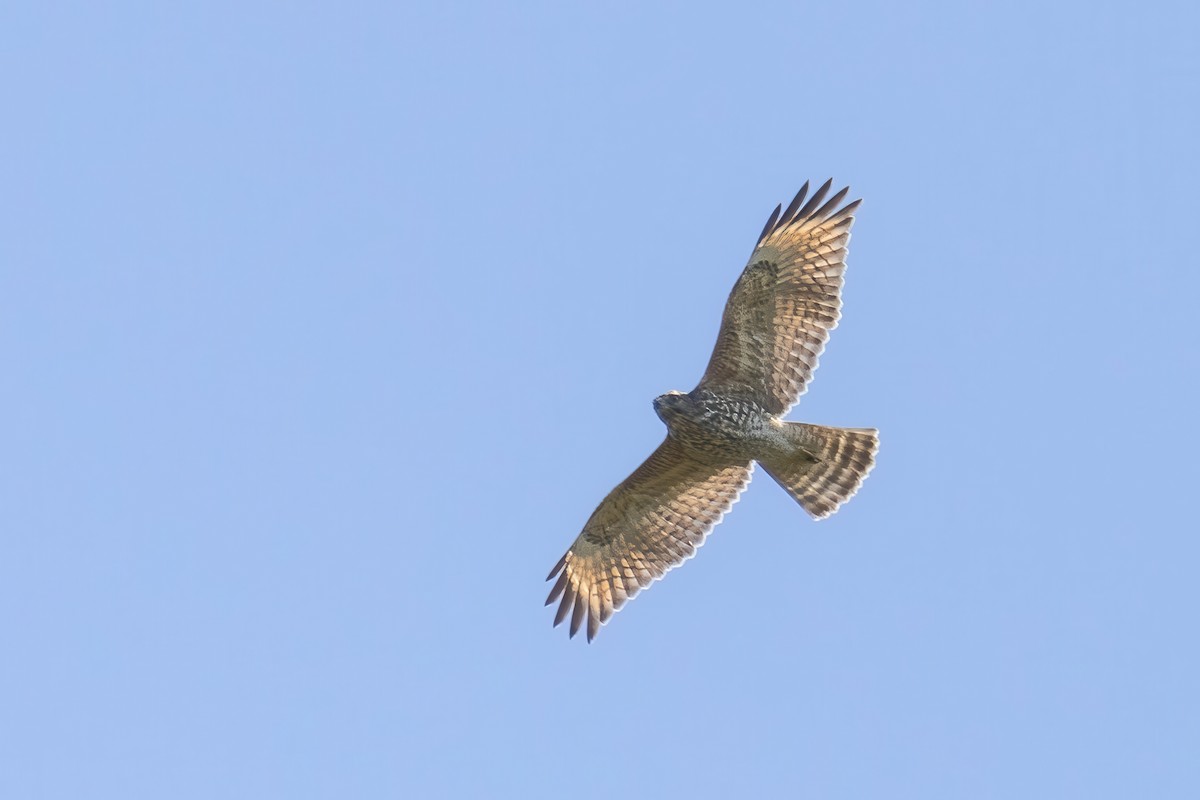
pixel 668 405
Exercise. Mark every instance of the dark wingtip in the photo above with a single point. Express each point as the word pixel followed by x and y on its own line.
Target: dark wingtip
pixel 593 626
pixel 559 586
pixel 815 200
pixel 568 600
pixel 850 208
pixel 790 214
pixel 562 562
pixel 832 203
pixel 577 615
pixel 770 222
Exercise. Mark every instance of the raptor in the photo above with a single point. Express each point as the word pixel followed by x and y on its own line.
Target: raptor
pixel 775 326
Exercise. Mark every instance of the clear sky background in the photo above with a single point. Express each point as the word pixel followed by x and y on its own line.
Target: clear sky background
pixel 323 329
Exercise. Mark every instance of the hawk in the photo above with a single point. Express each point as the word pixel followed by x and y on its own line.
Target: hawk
pixel 775 325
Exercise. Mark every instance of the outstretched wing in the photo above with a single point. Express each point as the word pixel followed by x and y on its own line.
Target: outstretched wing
pixel 653 521
pixel 779 315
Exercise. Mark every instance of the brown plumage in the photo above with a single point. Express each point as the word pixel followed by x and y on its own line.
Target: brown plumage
pixel 776 323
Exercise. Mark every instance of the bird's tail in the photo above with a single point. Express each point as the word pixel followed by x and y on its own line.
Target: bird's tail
pixel 827 466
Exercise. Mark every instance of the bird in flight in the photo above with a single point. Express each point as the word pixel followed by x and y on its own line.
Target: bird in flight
pixel 775 325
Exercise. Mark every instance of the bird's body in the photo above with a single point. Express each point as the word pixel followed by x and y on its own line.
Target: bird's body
pixel 721 428
pixel 775 326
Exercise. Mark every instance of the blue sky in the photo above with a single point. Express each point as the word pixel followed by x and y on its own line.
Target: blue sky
pixel 325 327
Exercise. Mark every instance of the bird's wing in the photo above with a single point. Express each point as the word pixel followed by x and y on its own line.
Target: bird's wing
pixel 788 298
pixel 653 521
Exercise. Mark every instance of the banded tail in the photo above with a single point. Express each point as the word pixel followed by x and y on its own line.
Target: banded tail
pixel 827 466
